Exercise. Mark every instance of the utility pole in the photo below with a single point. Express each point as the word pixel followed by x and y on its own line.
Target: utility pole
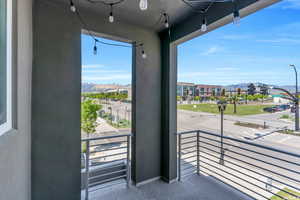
pixel 297 100
pixel 222 107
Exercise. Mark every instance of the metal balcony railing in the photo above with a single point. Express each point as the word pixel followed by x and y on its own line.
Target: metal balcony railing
pixel 105 162
pixel 259 171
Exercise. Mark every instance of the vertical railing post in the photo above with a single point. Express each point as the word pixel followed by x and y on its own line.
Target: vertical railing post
pixel 222 136
pixel 179 157
pixel 128 164
pixel 87 167
pixel 198 153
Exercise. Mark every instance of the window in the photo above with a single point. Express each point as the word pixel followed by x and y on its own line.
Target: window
pixel 5 66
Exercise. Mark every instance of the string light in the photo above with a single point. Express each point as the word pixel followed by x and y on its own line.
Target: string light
pixel 166 16
pixel 95 48
pixel 72 6
pixel 236 13
pixel 143 4
pixel 204 24
pixel 111 16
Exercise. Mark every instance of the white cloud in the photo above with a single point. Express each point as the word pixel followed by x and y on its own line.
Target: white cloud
pixel 235 37
pixel 227 69
pixel 106 78
pixel 212 50
pixel 92 66
pixel 103 71
pixel 281 41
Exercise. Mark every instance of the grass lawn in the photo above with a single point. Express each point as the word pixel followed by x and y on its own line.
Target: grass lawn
pixel 213 108
pixel 285 195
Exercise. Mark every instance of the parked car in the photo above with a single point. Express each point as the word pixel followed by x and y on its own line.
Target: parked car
pixel 285 106
pixel 271 109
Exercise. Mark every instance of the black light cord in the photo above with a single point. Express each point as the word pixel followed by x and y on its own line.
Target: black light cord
pixel 105 3
pixel 202 11
pixel 86 27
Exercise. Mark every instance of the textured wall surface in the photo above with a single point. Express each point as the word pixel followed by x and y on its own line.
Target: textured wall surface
pixel 56 100
pixel 15 145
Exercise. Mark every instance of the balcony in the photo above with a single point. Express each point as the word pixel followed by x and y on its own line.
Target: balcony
pixel 108 176
pixel 209 167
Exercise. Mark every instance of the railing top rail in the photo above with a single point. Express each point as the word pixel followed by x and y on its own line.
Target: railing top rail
pixel 105 137
pixel 244 142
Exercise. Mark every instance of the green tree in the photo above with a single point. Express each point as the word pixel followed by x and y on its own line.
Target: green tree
pixel 223 92
pixel 89 116
pixel 251 89
pixel 239 91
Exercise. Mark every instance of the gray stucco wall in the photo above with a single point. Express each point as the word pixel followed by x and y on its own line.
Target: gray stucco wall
pixel 56 100
pixel 15 145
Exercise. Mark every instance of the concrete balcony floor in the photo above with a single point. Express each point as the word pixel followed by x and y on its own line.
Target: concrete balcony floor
pixel 193 188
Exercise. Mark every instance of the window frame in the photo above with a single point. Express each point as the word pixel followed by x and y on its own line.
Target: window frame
pixel 8 125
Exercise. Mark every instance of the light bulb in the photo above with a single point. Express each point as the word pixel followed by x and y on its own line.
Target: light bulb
pixel 72 7
pixel 95 50
pixel 143 4
pixel 236 17
pixel 204 25
pixel 144 55
pixel 111 18
pixel 167 24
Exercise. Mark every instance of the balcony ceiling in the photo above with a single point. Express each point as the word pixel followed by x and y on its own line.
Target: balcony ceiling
pixel 129 12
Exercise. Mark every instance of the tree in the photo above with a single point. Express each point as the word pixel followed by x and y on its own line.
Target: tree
pixel 264 90
pixel 89 116
pixel 234 99
pixel 239 91
pixel 251 89
pixel 213 93
pixel 223 93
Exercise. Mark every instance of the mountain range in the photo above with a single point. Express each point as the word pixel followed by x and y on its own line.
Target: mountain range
pixel 92 87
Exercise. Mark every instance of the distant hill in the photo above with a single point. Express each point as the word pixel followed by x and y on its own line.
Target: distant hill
pixel 92 87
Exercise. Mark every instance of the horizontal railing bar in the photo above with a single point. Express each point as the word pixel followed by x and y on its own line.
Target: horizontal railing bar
pixel 105 137
pixel 184 138
pixel 109 143
pixel 104 163
pixel 228 161
pixel 106 180
pixel 186 153
pixel 270 156
pixel 252 144
pixel 188 157
pixel 250 157
pixel 189 162
pixel 106 174
pixel 289 178
pixel 113 149
pixel 244 180
pixel 186 132
pixel 188 147
pixel 111 167
pixel 106 186
pixel 248 176
pixel 112 155
pixel 214 172
pixel 188 142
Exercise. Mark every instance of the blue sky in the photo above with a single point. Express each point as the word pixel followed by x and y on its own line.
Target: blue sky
pixel 258 50
pixel 112 64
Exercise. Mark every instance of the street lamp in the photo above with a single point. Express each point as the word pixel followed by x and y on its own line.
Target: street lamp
pixel 296 74
pixel 222 107
pixel 295 100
